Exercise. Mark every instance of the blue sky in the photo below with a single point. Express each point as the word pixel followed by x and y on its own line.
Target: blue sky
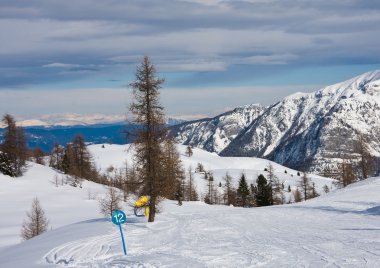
pixel 78 56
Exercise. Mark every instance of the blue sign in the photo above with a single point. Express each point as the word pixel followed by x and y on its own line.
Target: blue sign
pixel 118 218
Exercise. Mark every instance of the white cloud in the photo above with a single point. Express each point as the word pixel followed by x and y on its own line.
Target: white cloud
pixel 60 65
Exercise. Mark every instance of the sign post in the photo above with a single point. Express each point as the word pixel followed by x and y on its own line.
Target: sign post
pixel 118 218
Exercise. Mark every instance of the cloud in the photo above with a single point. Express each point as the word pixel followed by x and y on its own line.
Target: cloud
pixel 195 43
pixel 60 65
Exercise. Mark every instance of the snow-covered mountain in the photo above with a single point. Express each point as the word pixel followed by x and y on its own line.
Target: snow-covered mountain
pixel 215 134
pixel 308 130
pixel 304 130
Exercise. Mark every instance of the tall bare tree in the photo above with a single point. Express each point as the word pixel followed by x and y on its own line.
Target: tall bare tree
pixel 366 161
pixel 229 190
pixel 110 202
pixel 304 184
pixel 346 174
pixel 36 224
pixel 148 113
pixel 173 175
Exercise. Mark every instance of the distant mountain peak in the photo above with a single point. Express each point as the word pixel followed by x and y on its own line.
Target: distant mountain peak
pixel 304 130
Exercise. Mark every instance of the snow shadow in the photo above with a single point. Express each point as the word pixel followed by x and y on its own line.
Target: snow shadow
pixel 94 221
pixel 361 229
pixel 373 211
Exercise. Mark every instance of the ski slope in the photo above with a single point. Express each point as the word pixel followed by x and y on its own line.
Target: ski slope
pixel 63 204
pixel 340 229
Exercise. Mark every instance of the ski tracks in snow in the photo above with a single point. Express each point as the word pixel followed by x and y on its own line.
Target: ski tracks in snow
pixel 216 236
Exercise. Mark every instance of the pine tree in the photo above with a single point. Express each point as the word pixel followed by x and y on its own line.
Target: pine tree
pixel 36 224
pixel 326 189
pixel 148 113
pixel 243 192
pixel 189 150
pixel 264 192
pixel 6 166
pixel 14 144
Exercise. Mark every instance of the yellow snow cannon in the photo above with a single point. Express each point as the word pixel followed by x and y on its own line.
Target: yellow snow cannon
pixel 142 206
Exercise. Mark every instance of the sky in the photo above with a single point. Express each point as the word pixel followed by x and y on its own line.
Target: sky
pixel 60 57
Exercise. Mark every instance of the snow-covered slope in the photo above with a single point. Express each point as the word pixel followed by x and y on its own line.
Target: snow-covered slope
pixel 336 230
pixel 118 155
pixel 214 134
pixel 63 204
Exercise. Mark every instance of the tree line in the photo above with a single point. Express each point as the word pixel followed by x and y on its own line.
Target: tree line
pixel 266 190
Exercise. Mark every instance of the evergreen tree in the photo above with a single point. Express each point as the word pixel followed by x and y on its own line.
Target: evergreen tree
pixel 6 166
pixel 148 113
pixel 36 223
pixel 264 192
pixel 14 145
pixel 243 192
pixel 326 189
pixel 189 150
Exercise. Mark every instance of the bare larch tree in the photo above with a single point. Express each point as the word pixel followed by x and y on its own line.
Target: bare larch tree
pixel 36 222
pixel 148 113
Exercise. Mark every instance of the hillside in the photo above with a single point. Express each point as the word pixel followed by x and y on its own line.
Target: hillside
pixel 63 204
pixel 118 155
pixel 339 229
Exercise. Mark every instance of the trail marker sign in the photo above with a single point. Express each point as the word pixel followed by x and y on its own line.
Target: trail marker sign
pixel 118 218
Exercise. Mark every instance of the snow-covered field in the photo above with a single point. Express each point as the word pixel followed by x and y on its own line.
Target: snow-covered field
pixel 339 229
pixel 63 204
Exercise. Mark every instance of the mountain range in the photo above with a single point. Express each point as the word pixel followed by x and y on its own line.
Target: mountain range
pixel 304 130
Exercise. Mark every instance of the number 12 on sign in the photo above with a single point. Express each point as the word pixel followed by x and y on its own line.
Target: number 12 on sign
pixel 118 218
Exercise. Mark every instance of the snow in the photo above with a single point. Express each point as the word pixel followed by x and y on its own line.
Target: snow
pixel 118 155
pixel 339 229
pixel 63 204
